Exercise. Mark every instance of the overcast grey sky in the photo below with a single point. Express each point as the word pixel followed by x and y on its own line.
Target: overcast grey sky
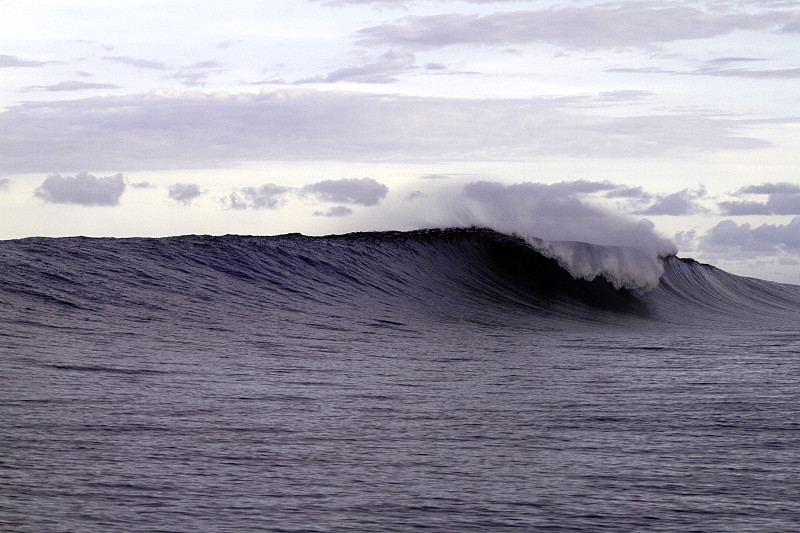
pixel 659 124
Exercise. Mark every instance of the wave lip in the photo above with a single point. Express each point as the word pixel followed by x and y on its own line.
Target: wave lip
pixel 622 266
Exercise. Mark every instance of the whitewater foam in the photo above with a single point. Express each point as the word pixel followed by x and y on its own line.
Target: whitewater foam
pixel 561 222
pixel 622 266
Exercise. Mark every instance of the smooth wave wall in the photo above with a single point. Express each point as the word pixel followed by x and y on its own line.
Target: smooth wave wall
pixel 396 277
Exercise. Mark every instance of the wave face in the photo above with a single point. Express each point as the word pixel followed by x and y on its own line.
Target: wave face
pixel 447 380
pixel 454 274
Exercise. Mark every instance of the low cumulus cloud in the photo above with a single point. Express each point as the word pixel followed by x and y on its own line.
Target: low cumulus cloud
pixel 684 202
pixel 364 191
pixel 5 183
pixel 782 199
pixel 766 238
pixel 82 189
pixel 268 196
pixel 335 211
pixel 355 191
pixel 184 193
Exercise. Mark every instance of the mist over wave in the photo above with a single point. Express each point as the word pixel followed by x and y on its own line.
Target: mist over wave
pixel 622 266
pixel 558 220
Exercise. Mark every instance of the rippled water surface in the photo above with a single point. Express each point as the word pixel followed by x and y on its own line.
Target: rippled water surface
pixel 328 409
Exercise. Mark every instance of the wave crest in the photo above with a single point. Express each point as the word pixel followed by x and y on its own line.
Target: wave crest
pixel 622 266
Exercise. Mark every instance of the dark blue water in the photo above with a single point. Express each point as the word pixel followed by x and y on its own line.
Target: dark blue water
pixel 441 380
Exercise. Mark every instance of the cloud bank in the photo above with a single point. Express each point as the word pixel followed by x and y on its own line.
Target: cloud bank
pixel 634 24
pixel 766 238
pixel 782 199
pixel 161 131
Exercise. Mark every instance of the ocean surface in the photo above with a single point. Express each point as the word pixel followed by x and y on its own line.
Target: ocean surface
pixel 438 380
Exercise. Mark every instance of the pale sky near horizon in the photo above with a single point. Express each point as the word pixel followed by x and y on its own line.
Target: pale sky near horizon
pixel 609 122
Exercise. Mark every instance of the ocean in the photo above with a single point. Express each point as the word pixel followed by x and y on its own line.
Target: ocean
pixel 438 380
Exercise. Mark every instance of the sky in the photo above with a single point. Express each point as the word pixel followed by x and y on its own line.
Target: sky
pixel 662 125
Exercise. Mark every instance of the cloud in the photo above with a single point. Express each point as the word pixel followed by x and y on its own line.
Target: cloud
pixel 222 45
pixel 4 184
pixel 680 203
pixel 142 185
pixel 73 86
pixel 590 28
pixel 778 204
pixel 82 189
pixel 628 95
pixel 723 66
pixel 195 75
pixel 8 61
pixel 184 192
pixel 138 63
pixel 792 27
pixel 729 60
pixel 636 193
pixel 397 4
pixel 384 70
pixel 765 238
pixel 268 196
pixel 335 211
pixel 783 199
pixel 744 208
pixel 163 130
pixel 364 191
pixel 771 188
pixel 788 73
pixel 401 4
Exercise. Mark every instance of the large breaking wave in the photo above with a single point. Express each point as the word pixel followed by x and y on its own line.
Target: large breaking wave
pixel 389 278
